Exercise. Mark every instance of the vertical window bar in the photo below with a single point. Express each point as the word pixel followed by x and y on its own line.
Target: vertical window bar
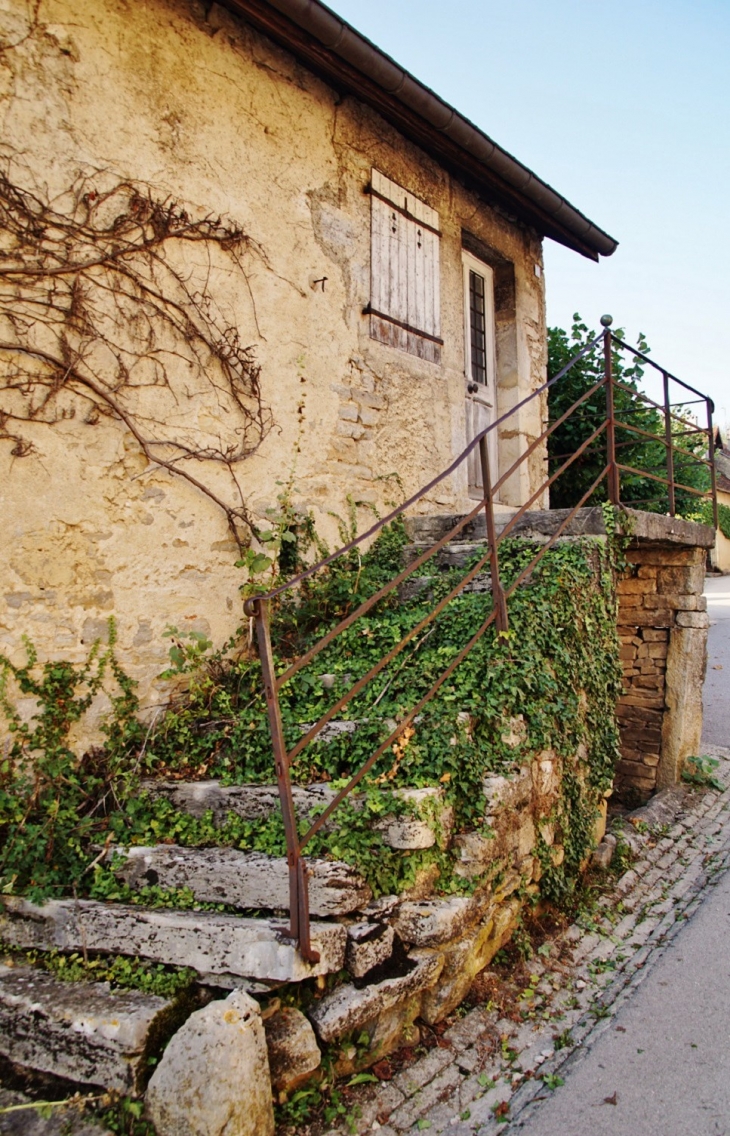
pixel 477 328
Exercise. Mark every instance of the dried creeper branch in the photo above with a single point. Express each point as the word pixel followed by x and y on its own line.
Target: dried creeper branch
pixel 108 309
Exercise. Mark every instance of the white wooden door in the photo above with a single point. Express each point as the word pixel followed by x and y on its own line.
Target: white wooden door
pixel 479 364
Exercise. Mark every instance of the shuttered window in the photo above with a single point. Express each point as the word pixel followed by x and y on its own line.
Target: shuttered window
pixel 405 291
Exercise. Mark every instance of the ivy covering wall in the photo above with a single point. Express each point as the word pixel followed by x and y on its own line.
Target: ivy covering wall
pixel 556 670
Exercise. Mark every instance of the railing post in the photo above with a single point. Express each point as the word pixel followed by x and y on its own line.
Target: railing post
pixel 711 456
pixel 614 484
pixel 298 895
pixel 500 604
pixel 669 442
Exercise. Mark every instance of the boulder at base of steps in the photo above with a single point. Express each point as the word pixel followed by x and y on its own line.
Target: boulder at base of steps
pixel 243 879
pixel 207 942
pixel 81 1031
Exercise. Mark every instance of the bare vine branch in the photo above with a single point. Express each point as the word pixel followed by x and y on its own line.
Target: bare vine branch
pixel 108 310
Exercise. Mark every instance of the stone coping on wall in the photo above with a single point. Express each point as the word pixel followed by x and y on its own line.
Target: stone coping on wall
pixel 539 524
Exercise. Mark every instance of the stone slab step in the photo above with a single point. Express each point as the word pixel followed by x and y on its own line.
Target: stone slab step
pixel 28 1121
pixel 421 587
pixel 536 524
pixel 243 879
pixel 454 555
pixel 254 802
pixel 207 942
pixel 81 1031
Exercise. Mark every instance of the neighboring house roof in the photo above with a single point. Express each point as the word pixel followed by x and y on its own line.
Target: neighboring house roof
pixel 722 471
pixel 722 463
pixel 349 61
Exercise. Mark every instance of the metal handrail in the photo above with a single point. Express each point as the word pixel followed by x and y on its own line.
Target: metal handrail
pixel 259 607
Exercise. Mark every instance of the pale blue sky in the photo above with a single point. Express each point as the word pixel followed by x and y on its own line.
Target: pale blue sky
pixel 624 108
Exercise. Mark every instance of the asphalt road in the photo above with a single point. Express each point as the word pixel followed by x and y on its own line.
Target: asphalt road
pixel 662 1068
pixel 665 1059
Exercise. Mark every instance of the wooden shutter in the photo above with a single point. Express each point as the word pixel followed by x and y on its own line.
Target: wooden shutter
pixel 405 284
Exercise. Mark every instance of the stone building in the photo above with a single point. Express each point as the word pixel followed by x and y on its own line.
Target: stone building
pixel 721 551
pixel 375 288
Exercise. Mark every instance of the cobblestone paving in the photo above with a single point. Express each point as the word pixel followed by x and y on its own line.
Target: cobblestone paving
pixel 463 1086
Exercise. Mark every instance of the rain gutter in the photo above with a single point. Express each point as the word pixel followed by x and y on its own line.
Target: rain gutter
pixel 351 62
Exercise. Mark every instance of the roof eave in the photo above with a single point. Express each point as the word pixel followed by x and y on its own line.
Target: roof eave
pixel 351 62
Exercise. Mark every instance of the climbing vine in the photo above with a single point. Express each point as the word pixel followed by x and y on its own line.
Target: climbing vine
pixel 111 308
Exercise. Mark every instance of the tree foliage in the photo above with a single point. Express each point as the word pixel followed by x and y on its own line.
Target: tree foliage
pixel 635 450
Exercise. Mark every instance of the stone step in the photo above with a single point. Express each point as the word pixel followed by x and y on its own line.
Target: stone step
pixel 453 555
pixel 81 1031
pixel 251 802
pixel 242 879
pixel 421 587
pixel 207 942
pixel 538 524
pixel 255 802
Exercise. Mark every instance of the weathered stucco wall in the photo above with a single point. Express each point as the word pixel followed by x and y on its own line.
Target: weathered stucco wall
pixel 721 552
pixel 202 108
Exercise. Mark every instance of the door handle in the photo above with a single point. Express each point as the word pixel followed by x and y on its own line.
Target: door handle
pixel 472 388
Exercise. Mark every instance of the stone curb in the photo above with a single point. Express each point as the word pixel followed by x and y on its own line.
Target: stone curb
pixel 662 890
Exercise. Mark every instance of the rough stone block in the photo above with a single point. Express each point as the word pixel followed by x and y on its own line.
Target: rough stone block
pixel 78 1030
pixel 349 429
pixel 434 921
pixel 368 945
pixel 545 777
pixel 213 1079
pixel 368 416
pixel 243 879
pixel 509 791
pixel 682 724
pixel 347 1008
pixel 688 579
pixel 603 855
pixel 698 619
pixel 434 823
pixel 633 586
pixel 630 600
pixel 675 602
pixel 208 942
pixel 293 1051
pixel 466 959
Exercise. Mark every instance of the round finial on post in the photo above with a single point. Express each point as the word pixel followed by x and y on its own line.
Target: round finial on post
pixel 606 321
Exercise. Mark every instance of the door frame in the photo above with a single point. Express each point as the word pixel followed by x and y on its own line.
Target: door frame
pixel 488 401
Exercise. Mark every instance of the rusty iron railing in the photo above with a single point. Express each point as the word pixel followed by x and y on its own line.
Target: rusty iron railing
pixel 259 607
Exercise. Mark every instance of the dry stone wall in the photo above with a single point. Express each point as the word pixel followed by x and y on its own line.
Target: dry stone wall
pixel 663 628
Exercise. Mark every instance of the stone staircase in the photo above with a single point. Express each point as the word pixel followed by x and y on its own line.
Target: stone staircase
pixel 538 526
pixel 398 950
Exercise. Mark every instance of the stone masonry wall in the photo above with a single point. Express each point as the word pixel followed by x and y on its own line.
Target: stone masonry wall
pixel 663 629
pixel 186 99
